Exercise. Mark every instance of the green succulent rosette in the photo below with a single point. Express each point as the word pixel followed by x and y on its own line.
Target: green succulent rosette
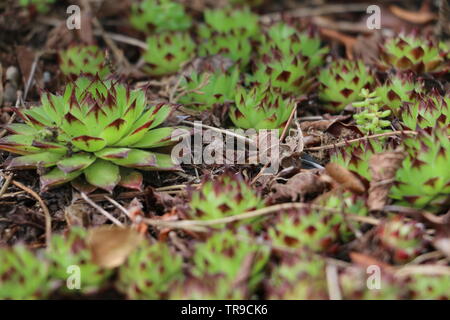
pixel 341 83
pixel 403 238
pixel 370 118
pixel 167 52
pixel 224 196
pixel 207 89
pixel 96 128
pixel 81 59
pixel 159 16
pixel 423 180
pixel 41 6
pixel 413 53
pixel 22 275
pixel 261 107
pixel 429 287
pixel 71 249
pixel 150 271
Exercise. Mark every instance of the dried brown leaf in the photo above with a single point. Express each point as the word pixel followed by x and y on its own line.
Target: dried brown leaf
pixel 345 178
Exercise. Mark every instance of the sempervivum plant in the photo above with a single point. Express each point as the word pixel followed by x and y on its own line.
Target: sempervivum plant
pixel 225 252
pixel 290 41
pixel 298 277
pixel 413 53
pixel 41 6
pixel 223 196
pixel 82 59
pixel 402 238
pixel 341 83
pixel 159 15
pixel 230 45
pixel 71 249
pixel 207 89
pixel 96 128
pixel 429 287
pixel 22 274
pixel 150 271
pixel 317 229
pixel 427 112
pixel 261 107
pixel 242 21
pixel 292 74
pixel 397 90
pixel 354 284
pixel 423 180
pixel 167 52
pixel 370 118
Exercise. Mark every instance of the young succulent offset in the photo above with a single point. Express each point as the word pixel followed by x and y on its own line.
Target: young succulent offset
pixel 167 52
pixel 341 83
pixel 159 15
pixel 261 107
pixel 22 274
pixel 423 180
pixel 207 89
pixel 403 238
pixel 81 59
pixel 69 250
pixel 150 271
pixel 413 53
pixel 298 277
pixel 370 118
pixel 41 6
pixel 96 128
pixel 225 252
pixel 429 287
pixel 397 90
pixel 223 196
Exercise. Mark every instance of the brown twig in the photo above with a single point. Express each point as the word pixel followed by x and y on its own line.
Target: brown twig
pixel 102 211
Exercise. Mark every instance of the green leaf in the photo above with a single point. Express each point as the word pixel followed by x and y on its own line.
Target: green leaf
pixel 158 138
pixel 103 174
pixel 131 179
pixel 19 144
pixel 43 159
pixel 57 177
pixel 137 159
pixel 88 143
pixel 78 161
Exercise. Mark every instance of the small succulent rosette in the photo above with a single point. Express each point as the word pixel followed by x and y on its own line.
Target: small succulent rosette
pixel 99 129
pixel 413 53
pixel 261 107
pixel 159 16
pixel 82 59
pixel 429 287
pixel 208 89
pixel 40 6
pixel 423 180
pixel 149 272
pixel 341 83
pixel 403 238
pixel 167 52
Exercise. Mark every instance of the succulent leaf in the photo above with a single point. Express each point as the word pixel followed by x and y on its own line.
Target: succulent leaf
pixel 41 6
pixel 82 59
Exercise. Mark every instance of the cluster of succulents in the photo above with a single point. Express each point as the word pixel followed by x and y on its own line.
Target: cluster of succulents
pixel 429 287
pixel 423 180
pixel 428 111
pixel 371 119
pixel 159 15
pixel 150 271
pixel 261 107
pixel 341 83
pixel 225 252
pixel 355 284
pixel 167 52
pixel 413 53
pixel 95 128
pixel 317 229
pixel 41 6
pixel 82 59
pixel 223 196
pixel 298 277
pixel 22 274
pixel 402 237
pixel 397 90
pixel 207 89
pixel 72 249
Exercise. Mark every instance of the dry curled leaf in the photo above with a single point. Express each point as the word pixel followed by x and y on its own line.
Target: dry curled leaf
pixel 110 246
pixel 345 178
pixel 297 187
pixel 383 167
